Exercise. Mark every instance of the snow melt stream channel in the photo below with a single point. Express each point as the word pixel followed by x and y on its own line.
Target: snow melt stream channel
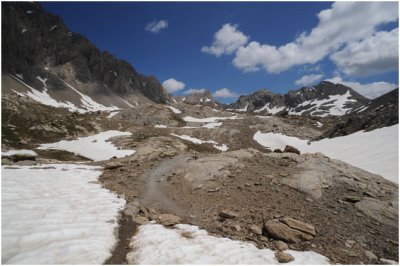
pixel 59 213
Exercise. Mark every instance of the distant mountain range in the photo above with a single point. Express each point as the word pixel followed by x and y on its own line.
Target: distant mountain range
pixel 323 99
pixel 40 51
pixel 202 98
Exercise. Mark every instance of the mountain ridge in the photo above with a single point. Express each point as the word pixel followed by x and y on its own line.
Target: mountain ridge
pixel 38 43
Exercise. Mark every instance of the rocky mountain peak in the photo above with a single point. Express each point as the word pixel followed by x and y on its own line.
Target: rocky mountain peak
pixel 37 43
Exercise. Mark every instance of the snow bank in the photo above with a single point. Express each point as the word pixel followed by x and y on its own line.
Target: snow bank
pixel 94 147
pixel 272 110
pixel 221 147
pixel 160 126
pixel 175 110
pixel 112 114
pixel 374 151
pixel 208 119
pixel 13 152
pixel 244 109
pixel 57 216
pixel 155 244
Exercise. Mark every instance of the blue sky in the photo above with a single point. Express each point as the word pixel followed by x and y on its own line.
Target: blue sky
pixel 242 47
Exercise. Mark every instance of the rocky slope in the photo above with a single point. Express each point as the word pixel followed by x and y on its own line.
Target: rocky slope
pixel 323 99
pixel 38 44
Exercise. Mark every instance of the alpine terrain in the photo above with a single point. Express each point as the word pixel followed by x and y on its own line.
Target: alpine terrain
pixel 101 165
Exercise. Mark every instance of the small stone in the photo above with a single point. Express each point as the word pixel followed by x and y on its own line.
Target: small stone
pixel 255 229
pixel 113 165
pixel 168 219
pixel 236 227
pixel 309 199
pixel 283 257
pixel 370 256
pixel 140 220
pixel 227 214
pixel 280 245
pixel 247 185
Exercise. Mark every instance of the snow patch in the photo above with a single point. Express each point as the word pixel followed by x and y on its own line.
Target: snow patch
pixel 23 30
pixel 374 151
pixel 53 27
pixel 95 147
pixel 13 152
pixel 56 216
pixel 244 109
pixel 213 125
pixel 155 244
pixel 175 110
pixel 42 80
pixel 319 124
pixel 221 147
pixel 160 126
pixel 272 110
pixel 112 114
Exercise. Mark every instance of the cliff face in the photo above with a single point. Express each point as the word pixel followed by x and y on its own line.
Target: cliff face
pixel 36 42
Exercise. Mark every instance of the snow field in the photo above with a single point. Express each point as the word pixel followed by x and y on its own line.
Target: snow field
pixel 187 244
pixel 374 151
pixel 59 215
pixel 94 147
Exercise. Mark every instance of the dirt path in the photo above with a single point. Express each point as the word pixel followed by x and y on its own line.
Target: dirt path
pixel 153 190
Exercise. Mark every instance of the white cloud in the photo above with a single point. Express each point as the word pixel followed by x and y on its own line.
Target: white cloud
pixel 172 85
pixel 190 91
pixel 343 23
pixel 225 93
pixel 308 79
pixel 375 54
pixel 226 40
pixel 369 90
pixel 155 26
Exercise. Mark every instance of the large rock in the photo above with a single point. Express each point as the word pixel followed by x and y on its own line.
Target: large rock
pixel 290 230
pixel 23 157
pixel 291 149
pixel 168 219
pixel 299 225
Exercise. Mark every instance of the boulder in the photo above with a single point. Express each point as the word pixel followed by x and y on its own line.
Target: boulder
pixel 291 149
pixel 299 225
pixel 23 157
pixel 278 150
pixel 283 257
pixel 227 214
pixel 168 219
pixel 290 230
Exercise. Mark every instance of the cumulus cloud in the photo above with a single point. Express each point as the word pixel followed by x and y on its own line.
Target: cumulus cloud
pixel 190 91
pixel 155 26
pixel 172 85
pixel 376 54
pixel 308 79
pixel 339 26
pixel 369 90
pixel 225 93
pixel 226 40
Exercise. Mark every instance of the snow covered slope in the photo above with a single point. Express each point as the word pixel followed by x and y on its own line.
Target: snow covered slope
pixel 374 151
pixel 155 244
pixel 58 215
pixel 94 147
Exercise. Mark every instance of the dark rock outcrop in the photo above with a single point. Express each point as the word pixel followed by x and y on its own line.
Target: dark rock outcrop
pixel 37 43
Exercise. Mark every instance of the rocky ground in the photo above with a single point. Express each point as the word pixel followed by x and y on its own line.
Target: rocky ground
pixel 275 200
